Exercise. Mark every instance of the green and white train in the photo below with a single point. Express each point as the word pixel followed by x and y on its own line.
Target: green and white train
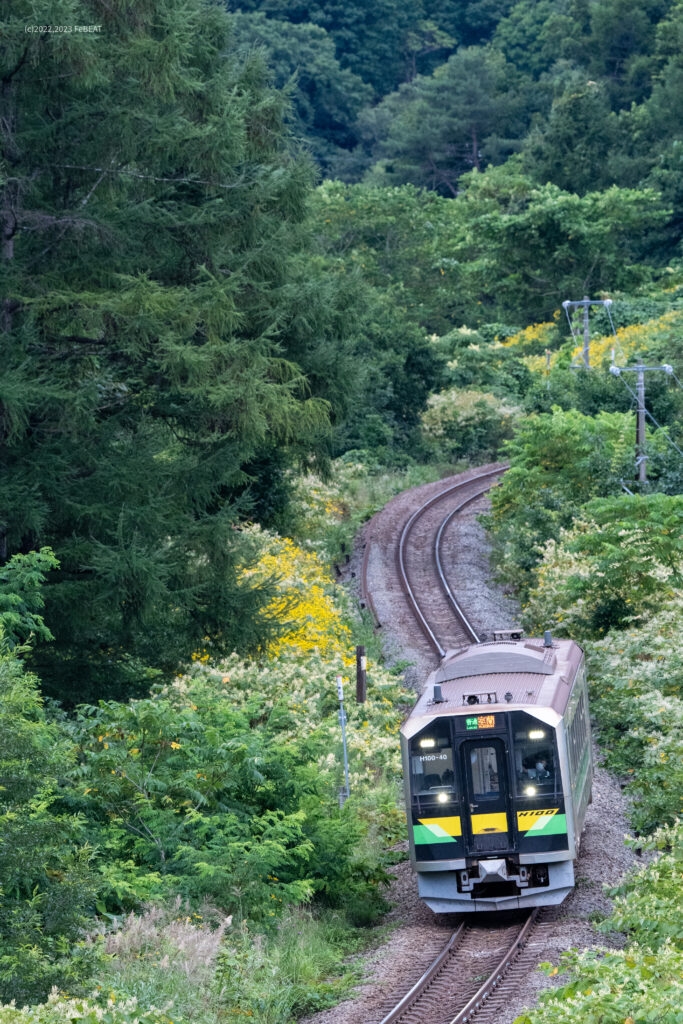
pixel 498 772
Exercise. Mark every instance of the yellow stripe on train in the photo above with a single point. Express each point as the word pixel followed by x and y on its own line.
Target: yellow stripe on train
pixel 483 823
pixel 527 819
pixel 451 826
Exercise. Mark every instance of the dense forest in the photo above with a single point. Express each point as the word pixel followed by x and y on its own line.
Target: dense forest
pixel 263 265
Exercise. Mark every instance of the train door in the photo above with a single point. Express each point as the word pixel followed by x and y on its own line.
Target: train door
pixel 484 771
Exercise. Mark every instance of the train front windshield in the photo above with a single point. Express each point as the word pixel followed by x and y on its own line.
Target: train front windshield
pixel 483 784
pixel 432 765
pixel 537 769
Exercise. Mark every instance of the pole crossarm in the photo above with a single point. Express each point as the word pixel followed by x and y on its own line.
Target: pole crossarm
pixel 567 304
pixel 617 370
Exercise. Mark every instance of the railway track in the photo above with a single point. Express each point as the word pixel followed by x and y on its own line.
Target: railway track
pixel 436 609
pixel 421 578
pixel 473 976
pixel 479 967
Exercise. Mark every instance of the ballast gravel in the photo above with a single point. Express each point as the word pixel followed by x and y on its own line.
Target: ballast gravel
pixel 416 933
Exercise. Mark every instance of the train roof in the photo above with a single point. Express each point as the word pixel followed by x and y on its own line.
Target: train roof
pixel 503 674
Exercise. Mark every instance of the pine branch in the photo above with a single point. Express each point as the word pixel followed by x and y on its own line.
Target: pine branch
pixel 152 177
pixel 7 78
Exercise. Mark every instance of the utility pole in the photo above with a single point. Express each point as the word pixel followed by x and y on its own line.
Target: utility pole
pixel 640 370
pixel 345 792
pixel 584 303
pixel 586 335
pixel 641 457
pixel 361 675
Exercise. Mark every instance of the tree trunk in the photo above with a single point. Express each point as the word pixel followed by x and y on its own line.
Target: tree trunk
pixel 475 150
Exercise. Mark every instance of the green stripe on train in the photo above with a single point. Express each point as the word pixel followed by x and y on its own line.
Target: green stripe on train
pixel 431 834
pixel 550 825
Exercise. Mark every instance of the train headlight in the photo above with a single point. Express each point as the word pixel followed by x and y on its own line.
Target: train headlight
pixel 442 798
pixel 427 743
pixel 536 734
pixel 530 791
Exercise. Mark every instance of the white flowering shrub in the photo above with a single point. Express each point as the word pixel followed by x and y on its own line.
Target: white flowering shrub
pixel 619 566
pixel 60 1009
pixel 467 424
pixel 648 902
pixel 637 698
pixel 621 559
pixel 631 986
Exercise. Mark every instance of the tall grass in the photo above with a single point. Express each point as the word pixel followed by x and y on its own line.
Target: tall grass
pixel 206 970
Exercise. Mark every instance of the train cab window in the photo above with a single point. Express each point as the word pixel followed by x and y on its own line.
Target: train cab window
pixel 432 768
pixel 537 769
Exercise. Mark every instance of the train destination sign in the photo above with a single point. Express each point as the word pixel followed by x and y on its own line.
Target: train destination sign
pixel 481 722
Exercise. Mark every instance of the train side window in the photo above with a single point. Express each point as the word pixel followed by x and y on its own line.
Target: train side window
pixel 432 768
pixel 537 768
pixel 577 734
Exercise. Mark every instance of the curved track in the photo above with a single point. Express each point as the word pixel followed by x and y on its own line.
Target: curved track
pixel 473 975
pixel 420 564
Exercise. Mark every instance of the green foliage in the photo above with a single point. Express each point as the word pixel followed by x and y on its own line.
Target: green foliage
pixel 570 146
pixel 616 985
pixel 637 697
pixel 460 424
pixel 165 337
pixel 328 514
pixel 644 899
pixel 563 459
pixel 621 558
pixel 533 35
pixel 474 363
pixel 47 882
pixel 326 98
pixel 190 793
pixel 525 247
pixel 436 128
pixel 373 43
pixel 61 1009
pixel 287 975
pixel 224 787
pixel 22 600
pixel 398 238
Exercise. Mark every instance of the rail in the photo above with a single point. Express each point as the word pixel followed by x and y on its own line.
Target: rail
pixel 496 976
pixel 427 978
pixel 402 568
pixel 436 984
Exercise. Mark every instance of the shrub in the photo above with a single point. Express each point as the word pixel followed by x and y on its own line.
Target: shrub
pixel 61 1009
pixel 621 558
pixel 47 883
pixel 558 462
pixel 627 986
pixel 644 899
pixel 467 424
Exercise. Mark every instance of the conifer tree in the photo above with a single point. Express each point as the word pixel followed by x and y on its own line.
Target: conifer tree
pixel 161 332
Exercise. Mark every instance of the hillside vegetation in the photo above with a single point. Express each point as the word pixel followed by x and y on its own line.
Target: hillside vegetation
pixel 264 265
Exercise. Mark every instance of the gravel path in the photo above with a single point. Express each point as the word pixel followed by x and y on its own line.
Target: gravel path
pixel 391 969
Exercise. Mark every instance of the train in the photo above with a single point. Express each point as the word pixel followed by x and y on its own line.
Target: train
pixel 498 770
